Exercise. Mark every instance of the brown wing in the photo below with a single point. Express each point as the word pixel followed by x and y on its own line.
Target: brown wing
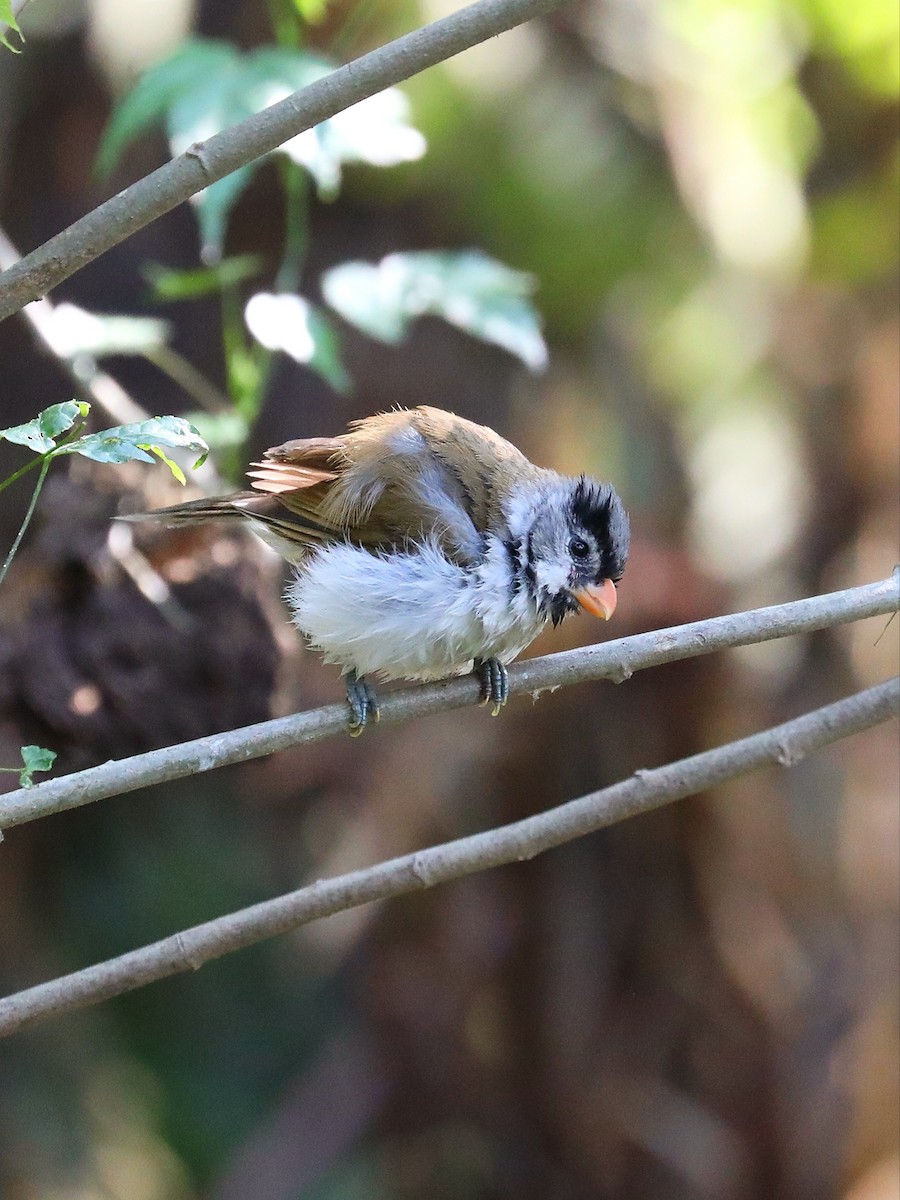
pixel 381 485
pixel 292 481
pixel 297 465
pixel 421 473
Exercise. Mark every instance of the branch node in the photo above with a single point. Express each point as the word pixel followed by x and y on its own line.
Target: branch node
pixel 620 673
pixel 198 150
pixel 189 957
pixel 787 755
pixel 420 868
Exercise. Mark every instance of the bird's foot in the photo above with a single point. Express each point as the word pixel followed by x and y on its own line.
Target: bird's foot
pixel 494 679
pixel 363 703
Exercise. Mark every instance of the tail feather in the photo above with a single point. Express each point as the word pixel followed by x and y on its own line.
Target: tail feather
pixel 205 509
pixel 293 535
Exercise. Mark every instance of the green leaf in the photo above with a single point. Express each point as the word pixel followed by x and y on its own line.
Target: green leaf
pixel 7 17
pixel 237 89
pixel 466 288
pixel 106 447
pixel 127 443
pixel 40 434
pixel 374 131
pixel 35 758
pixel 207 106
pixel 291 324
pixel 170 284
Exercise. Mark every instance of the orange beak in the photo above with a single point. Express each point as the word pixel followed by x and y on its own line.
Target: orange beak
pixel 599 599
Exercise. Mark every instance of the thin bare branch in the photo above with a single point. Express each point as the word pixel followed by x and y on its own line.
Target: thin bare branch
pixel 614 660
pixel 785 745
pixel 205 162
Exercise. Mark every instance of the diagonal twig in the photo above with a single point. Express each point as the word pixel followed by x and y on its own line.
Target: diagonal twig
pixel 615 660
pixel 784 745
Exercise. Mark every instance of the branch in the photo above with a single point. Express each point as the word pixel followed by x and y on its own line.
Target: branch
pixel 205 162
pixel 615 660
pixel 785 745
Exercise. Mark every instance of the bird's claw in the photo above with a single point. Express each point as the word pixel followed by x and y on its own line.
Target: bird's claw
pixel 494 680
pixel 363 703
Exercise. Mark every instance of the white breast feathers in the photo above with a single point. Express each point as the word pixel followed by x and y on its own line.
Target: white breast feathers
pixel 414 615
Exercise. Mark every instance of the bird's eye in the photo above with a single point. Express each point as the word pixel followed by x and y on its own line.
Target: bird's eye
pixel 579 548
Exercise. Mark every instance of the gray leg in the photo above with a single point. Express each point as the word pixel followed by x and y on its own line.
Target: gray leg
pixel 494 680
pixel 362 701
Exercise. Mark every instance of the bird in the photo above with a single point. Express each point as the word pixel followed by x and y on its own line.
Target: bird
pixel 426 546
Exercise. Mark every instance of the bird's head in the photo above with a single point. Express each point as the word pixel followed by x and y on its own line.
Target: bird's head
pixel 576 548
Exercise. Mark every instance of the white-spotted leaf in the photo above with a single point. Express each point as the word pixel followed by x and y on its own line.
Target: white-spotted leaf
pixel 140 441
pixel 40 434
pixel 485 298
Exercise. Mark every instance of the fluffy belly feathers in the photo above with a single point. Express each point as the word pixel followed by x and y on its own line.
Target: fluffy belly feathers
pixel 413 615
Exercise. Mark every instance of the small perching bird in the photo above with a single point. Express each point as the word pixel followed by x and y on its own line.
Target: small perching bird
pixel 426 546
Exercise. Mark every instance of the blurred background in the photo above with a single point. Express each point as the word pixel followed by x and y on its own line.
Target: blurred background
pixel 699 1003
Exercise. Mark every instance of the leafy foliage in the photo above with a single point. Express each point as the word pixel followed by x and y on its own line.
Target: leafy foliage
pixel 35 758
pixel 123 443
pixel 208 85
pixel 468 289
pixel 128 443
